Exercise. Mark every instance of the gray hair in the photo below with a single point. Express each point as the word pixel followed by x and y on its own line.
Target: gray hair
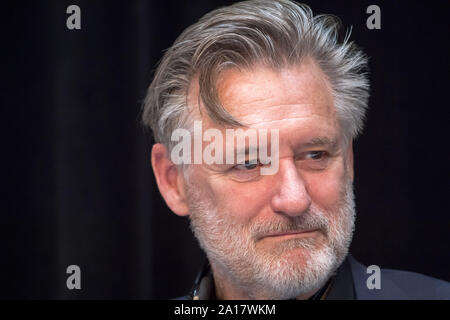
pixel 275 33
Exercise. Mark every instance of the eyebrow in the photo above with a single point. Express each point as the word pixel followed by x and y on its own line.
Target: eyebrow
pixel 320 141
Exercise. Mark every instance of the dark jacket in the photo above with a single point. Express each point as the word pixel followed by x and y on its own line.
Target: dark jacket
pixel 350 283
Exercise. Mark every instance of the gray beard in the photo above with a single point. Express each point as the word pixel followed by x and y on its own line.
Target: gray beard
pixel 231 247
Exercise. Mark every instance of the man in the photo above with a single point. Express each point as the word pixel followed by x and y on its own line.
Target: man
pixel 274 68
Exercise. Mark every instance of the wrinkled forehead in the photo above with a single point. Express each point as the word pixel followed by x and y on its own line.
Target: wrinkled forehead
pixel 261 97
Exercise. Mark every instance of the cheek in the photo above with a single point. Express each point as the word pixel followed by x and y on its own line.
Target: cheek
pixel 325 187
pixel 243 201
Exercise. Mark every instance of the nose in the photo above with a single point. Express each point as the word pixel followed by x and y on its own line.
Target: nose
pixel 291 197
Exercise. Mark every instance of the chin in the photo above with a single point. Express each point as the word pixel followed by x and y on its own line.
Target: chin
pixel 295 272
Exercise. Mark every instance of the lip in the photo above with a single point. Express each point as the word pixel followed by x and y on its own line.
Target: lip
pixel 292 233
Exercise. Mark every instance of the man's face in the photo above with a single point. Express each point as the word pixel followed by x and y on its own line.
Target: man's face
pixel 281 235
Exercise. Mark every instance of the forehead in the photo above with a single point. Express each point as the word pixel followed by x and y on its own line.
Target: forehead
pixel 261 97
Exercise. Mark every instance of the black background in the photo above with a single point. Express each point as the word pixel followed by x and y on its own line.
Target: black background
pixel 77 186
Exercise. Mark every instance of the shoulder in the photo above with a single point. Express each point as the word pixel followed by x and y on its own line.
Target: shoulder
pixel 397 284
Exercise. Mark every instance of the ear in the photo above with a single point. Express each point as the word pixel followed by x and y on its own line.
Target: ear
pixel 349 159
pixel 169 179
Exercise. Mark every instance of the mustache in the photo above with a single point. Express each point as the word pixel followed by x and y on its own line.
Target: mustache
pixel 307 221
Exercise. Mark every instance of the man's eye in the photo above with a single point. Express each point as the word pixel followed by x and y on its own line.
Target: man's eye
pixel 246 171
pixel 315 155
pixel 248 165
